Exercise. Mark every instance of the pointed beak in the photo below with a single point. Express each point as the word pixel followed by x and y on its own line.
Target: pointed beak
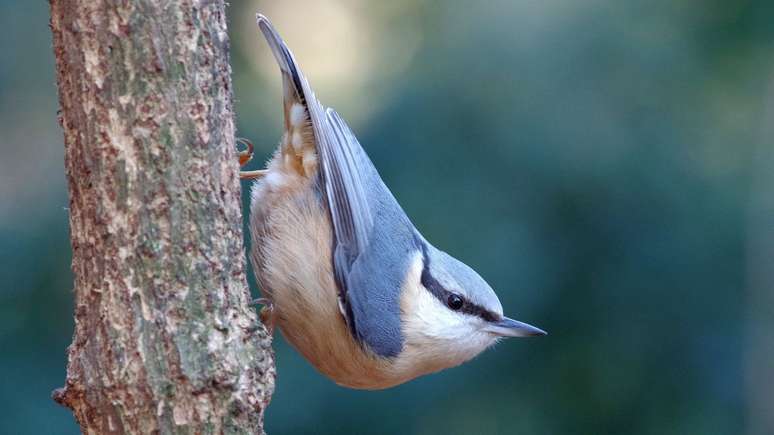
pixel 506 327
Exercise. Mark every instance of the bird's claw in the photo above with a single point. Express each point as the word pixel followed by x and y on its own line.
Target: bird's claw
pixel 267 312
pixel 245 156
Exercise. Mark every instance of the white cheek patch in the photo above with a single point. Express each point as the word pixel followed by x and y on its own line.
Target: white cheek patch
pixel 436 333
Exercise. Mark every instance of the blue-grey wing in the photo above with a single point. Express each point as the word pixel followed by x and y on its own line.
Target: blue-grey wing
pixel 372 236
pixel 343 171
pixel 336 146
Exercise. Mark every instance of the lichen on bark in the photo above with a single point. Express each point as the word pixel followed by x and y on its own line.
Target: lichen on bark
pixel 165 340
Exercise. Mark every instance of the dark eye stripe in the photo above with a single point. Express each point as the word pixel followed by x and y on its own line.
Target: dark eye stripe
pixel 442 294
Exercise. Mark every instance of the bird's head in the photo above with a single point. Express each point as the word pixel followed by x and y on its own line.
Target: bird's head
pixel 449 313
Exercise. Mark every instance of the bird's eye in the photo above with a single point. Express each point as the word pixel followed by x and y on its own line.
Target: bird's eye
pixel 454 302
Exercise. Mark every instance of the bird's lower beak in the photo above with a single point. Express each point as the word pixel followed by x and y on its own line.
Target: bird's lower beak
pixel 506 327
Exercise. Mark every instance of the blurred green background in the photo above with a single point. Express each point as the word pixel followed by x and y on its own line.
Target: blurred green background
pixel 608 167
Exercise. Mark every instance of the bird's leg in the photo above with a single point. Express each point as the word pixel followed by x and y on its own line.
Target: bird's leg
pixel 252 175
pixel 266 313
pixel 244 157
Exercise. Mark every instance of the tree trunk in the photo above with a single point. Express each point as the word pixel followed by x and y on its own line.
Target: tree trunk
pixel 165 340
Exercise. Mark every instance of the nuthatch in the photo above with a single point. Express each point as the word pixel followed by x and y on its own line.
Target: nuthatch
pixel 350 282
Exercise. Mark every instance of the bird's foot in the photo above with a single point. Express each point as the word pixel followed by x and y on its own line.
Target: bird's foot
pixel 244 157
pixel 267 312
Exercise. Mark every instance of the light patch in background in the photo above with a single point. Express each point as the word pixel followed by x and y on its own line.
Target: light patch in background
pixel 349 50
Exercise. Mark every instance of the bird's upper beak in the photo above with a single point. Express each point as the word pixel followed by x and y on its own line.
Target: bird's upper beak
pixel 506 327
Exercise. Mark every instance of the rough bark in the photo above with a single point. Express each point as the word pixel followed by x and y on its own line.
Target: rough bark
pixel 165 340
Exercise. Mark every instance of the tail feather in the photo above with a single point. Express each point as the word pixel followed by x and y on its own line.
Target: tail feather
pixel 293 80
pixel 298 153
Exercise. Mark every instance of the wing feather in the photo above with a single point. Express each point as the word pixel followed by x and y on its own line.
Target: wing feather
pixel 342 167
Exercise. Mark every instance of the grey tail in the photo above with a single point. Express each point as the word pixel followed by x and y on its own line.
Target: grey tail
pixel 294 82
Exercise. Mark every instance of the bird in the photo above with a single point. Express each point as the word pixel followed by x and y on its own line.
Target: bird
pixel 346 277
